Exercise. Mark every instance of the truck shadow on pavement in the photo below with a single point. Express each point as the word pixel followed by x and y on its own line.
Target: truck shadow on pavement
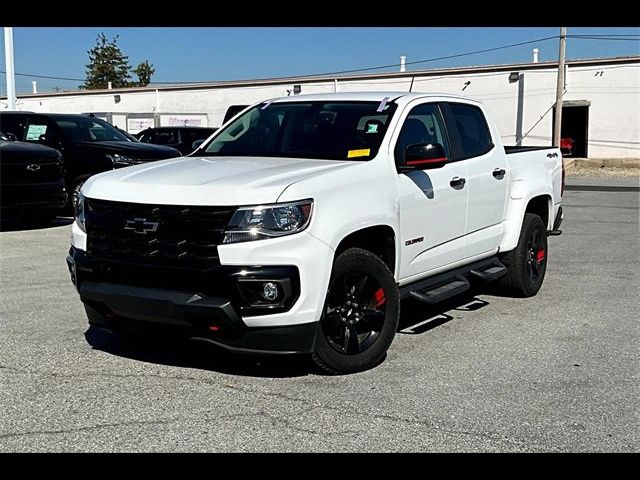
pixel 181 352
pixel 16 224
pixel 415 319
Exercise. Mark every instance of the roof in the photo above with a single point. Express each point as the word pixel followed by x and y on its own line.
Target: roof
pixel 362 96
pixel 603 62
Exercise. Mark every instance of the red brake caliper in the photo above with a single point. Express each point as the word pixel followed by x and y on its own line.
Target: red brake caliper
pixel 540 255
pixel 379 297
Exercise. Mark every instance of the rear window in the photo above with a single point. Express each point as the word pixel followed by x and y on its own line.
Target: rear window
pixel 475 139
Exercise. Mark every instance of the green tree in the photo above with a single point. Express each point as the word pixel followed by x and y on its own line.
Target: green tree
pixel 144 71
pixel 107 63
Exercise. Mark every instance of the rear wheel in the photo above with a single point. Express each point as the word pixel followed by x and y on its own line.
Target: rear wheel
pixel 527 263
pixel 360 314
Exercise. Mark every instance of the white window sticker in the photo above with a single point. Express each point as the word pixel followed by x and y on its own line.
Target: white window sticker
pixel 34 131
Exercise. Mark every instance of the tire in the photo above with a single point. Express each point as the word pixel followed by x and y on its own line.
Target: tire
pixel 527 263
pixel 360 315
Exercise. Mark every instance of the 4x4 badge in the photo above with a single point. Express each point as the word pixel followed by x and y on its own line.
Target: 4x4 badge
pixel 141 225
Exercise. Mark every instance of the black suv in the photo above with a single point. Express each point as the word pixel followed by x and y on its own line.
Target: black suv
pixel 182 138
pixel 31 178
pixel 88 145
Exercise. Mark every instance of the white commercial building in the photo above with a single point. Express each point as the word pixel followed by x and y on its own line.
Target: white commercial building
pixel 601 104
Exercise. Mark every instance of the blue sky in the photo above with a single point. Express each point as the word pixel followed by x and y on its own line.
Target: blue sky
pixel 201 54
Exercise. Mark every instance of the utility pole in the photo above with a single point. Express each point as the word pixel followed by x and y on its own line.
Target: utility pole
pixel 11 79
pixel 557 121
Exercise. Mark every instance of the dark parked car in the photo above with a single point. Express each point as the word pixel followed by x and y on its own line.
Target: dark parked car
pixel 181 138
pixel 88 145
pixel 31 178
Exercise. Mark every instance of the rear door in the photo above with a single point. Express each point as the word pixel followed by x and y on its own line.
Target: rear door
pixel 432 201
pixel 487 176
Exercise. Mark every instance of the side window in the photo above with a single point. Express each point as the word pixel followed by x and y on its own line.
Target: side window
pixel 146 137
pixel 36 126
pixel 473 131
pixel 13 123
pixel 422 125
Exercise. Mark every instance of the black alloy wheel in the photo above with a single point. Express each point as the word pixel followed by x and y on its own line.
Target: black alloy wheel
pixel 527 263
pixel 354 312
pixel 360 314
pixel 536 255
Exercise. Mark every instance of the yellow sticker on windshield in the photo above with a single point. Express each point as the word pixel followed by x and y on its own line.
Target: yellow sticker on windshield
pixel 363 152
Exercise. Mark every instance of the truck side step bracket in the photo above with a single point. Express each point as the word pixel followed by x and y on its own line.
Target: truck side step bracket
pixel 442 292
pixel 490 274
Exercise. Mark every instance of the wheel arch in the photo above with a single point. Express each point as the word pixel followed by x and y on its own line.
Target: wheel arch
pixel 377 239
pixel 539 203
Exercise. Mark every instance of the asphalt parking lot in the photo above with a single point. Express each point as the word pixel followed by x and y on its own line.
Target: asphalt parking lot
pixel 557 372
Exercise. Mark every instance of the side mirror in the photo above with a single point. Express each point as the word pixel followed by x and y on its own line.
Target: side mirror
pixel 50 140
pixel 197 143
pixel 423 156
pixel 11 137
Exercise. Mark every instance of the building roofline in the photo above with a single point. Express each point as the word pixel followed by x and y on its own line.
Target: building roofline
pixel 604 61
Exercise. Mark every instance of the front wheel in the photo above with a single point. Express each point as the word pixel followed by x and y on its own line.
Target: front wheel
pixel 360 315
pixel 77 186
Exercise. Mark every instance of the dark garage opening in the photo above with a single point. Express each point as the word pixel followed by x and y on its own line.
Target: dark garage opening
pixel 574 133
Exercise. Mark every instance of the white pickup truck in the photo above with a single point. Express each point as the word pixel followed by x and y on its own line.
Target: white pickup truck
pixel 301 223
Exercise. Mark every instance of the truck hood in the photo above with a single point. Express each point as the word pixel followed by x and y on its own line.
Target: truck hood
pixel 207 180
pixel 26 152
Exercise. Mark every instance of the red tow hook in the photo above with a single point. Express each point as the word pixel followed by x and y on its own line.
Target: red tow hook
pixel 379 297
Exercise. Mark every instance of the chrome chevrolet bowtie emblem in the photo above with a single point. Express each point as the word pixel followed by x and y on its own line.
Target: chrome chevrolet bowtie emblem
pixel 141 225
pixel 33 167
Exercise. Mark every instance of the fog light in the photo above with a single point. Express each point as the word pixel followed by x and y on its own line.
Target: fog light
pixel 270 291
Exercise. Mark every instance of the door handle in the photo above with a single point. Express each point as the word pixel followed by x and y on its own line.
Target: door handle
pixel 457 183
pixel 499 173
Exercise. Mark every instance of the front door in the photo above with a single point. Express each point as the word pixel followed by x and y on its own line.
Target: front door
pixel 432 201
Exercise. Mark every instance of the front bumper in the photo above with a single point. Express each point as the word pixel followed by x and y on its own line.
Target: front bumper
pixel 209 306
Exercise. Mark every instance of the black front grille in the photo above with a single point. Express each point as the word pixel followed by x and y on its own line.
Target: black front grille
pixel 30 171
pixel 157 235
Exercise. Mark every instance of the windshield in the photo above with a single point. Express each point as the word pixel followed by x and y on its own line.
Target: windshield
pixel 324 130
pixel 79 129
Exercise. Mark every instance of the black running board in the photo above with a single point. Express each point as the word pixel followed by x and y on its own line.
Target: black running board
pixel 438 294
pixel 490 274
pixel 448 284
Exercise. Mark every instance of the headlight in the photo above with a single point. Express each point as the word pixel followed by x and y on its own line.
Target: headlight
pixel 267 221
pixel 79 212
pixel 119 161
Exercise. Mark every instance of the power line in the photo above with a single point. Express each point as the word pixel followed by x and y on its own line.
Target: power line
pixel 605 38
pixel 604 35
pixel 435 59
pixel 540 119
pixel 45 76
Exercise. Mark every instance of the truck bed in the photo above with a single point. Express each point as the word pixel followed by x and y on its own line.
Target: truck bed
pixel 509 149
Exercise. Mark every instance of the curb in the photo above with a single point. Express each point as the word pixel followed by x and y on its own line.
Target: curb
pixel 571 163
